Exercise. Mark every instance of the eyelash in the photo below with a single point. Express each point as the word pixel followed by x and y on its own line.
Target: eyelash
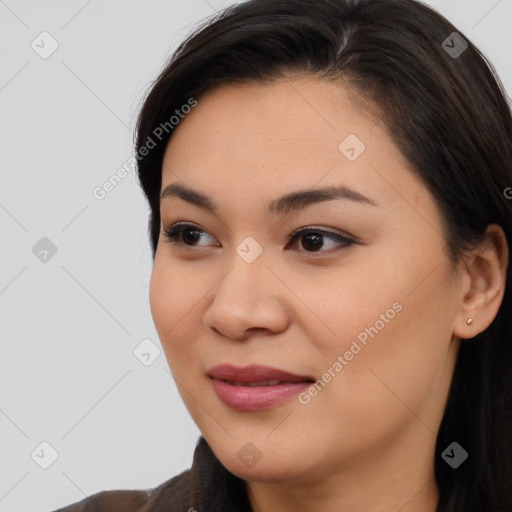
pixel 175 231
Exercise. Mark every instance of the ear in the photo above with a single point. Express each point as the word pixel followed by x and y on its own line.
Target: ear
pixel 483 283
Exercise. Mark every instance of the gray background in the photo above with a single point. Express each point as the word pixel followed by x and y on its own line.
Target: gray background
pixel 70 324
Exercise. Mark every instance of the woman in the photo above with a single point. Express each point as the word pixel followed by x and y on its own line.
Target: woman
pixel 329 185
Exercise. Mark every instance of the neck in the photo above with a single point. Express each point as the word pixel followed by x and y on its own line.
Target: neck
pixel 404 483
pixel 419 497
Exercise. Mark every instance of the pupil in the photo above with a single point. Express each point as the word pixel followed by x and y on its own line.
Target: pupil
pixel 313 241
pixel 192 239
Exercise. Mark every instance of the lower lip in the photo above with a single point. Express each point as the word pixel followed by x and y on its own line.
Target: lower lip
pixel 256 398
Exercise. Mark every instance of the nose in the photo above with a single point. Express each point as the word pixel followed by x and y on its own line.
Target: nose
pixel 249 299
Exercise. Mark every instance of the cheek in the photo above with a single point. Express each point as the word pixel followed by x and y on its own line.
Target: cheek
pixel 349 307
pixel 403 366
pixel 162 299
pixel 175 302
pixel 393 341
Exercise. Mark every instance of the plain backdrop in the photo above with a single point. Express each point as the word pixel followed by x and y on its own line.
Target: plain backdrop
pixel 75 269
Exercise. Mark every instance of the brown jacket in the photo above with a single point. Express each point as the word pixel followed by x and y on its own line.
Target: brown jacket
pixel 206 487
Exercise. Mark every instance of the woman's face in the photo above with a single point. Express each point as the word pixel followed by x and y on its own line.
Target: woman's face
pixel 363 305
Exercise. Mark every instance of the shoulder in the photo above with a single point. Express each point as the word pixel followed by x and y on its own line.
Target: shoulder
pixel 127 500
pixel 207 485
pixel 110 501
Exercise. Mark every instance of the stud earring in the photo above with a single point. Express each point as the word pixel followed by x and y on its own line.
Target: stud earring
pixel 469 321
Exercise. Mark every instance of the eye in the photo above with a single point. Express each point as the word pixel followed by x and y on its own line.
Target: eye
pixel 184 234
pixel 312 239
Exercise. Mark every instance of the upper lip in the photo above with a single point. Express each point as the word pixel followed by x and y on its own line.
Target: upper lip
pixel 254 373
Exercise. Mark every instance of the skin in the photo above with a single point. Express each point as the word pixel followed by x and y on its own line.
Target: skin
pixel 366 441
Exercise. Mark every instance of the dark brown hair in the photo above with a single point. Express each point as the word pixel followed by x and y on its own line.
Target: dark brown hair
pixel 448 113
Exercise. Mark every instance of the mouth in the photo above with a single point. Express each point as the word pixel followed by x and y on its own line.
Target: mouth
pixel 254 384
pixel 255 374
pixel 253 388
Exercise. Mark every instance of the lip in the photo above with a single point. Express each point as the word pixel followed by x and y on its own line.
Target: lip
pixel 235 386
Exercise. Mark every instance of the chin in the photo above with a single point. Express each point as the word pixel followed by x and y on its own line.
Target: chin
pixel 258 461
pixel 262 471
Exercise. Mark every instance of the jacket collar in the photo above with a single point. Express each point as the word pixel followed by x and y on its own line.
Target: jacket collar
pixel 206 487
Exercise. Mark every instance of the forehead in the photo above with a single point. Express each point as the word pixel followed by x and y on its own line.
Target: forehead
pixel 282 112
pixel 250 139
pixel 293 118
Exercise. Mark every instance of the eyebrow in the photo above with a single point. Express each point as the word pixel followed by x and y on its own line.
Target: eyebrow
pixel 291 201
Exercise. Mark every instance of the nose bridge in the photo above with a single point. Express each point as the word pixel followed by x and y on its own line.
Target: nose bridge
pixel 248 275
pixel 244 284
pixel 247 296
